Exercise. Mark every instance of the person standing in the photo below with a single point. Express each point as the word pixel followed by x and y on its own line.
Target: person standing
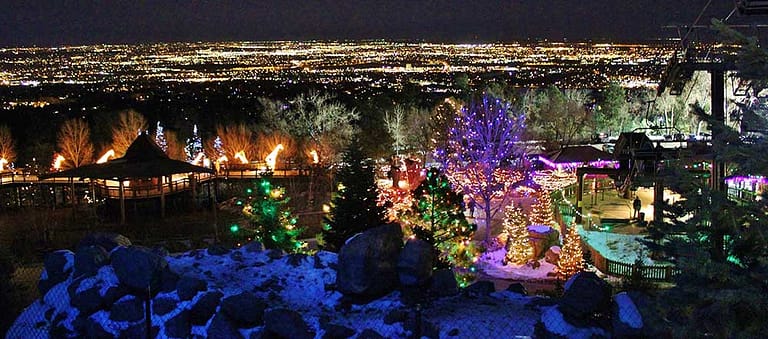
pixel 636 204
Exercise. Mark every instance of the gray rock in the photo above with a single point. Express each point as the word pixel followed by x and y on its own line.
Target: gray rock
pixel 296 259
pixel 370 334
pixel 222 327
pixel 204 307
pixel 414 266
pixel 107 241
pixel 254 246
pixel 87 301
pixel 444 283
pixel 88 260
pixel 368 262
pixel 168 280
pixel 217 249
pixel 163 306
pixel 244 309
pixel 337 331
pixel 586 295
pixel 552 255
pixel 93 329
pixel 480 288
pixel 128 309
pixel 395 316
pixel 139 330
pixel 138 267
pixel 517 288
pixel 187 287
pixel 275 254
pixel 179 326
pixel 57 267
pixel 287 324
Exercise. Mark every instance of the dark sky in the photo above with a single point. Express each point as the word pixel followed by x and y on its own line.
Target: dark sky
pixel 57 22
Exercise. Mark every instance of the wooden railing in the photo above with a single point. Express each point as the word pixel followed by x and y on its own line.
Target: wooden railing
pixel 142 191
pixel 620 269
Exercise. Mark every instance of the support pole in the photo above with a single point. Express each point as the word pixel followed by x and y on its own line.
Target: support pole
pixel 718 113
pixel 122 202
pixel 579 191
pixel 162 197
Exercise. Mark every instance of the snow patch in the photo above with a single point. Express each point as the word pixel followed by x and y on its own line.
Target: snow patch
pixel 628 313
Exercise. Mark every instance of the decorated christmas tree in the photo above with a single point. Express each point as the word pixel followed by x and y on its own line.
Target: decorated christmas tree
pixel 194 145
pixel 160 138
pixel 272 222
pixel 571 256
pixel 518 247
pixel 437 217
pixel 542 210
pixel 353 207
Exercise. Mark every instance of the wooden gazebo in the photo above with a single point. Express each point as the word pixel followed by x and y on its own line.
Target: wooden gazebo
pixel 144 160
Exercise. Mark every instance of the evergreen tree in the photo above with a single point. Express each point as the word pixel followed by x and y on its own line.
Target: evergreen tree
pixel 519 249
pixel 270 218
pixel 542 211
pixel 571 256
pixel 194 145
pixel 437 217
pixel 353 206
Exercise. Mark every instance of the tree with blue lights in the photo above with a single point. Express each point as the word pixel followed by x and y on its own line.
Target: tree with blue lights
pixel 483 157
pixel 271 221
pixel 194 145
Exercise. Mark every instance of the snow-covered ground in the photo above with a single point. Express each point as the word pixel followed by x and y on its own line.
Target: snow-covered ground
pixel 491 263
pixel 618 247
pixel 305 284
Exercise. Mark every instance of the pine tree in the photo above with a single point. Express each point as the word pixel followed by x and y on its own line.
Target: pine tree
pixel 518 246
pixel 270 218
pixel 353 206
pixel 437 217
pixel 571 256
pixel 542 211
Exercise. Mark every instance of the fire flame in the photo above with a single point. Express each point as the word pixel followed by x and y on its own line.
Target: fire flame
pixel 58 161
pixel 198 158
pixel 272 157
pixel 241 156
pixel 106 156
pixel 315 158
pixel 3 161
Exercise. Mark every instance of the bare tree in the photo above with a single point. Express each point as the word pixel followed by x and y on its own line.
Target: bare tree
pixel 235 139
pixel 175 148
pixel 394 120
pixel 130 123
pixel 323 124
pixel 483 157
pixel 75 145
pixel 7 149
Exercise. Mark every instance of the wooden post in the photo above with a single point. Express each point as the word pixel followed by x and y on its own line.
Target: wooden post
pixel 162 197
pixel 122 201
pixel 579 190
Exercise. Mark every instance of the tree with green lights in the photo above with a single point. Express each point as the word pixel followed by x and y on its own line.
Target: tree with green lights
pixel 353 206
pixel 270 218
pixel 437 217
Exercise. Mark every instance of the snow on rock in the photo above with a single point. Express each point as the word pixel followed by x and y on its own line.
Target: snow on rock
pixel 491 263
pixel 554 322
pixel 628 313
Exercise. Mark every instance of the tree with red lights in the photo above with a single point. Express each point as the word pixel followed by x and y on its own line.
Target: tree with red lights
pixel 481 153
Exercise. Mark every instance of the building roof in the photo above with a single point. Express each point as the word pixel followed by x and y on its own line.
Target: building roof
pixel 143 159
pixel 578 154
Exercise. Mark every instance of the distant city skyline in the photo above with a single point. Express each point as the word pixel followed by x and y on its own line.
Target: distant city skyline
pixel 55 23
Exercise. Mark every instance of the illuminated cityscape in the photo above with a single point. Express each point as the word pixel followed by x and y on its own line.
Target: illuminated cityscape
pixel 367 63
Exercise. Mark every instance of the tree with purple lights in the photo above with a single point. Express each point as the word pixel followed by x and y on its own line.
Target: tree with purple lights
pixel 482 156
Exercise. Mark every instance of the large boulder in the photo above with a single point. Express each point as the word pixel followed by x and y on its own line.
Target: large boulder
pixel 222 327
pixel 542 237
pixel 443 283
pixel 587 299
pixel 286 323
pixel 204 307
pixel 368 262
pixel 90 294
pixel 128 309
pixel 139 268
pixel 552 255
pixel 88 260
pixel 107 241
pixel 244 309
pixel 179 325
pixel 187 287
pixel 57 267
pixel 414 266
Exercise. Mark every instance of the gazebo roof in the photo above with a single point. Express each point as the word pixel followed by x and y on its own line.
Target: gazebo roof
pixel 578 154
pixel 143 159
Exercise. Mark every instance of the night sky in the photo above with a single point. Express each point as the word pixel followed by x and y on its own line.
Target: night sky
pixel 74 22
